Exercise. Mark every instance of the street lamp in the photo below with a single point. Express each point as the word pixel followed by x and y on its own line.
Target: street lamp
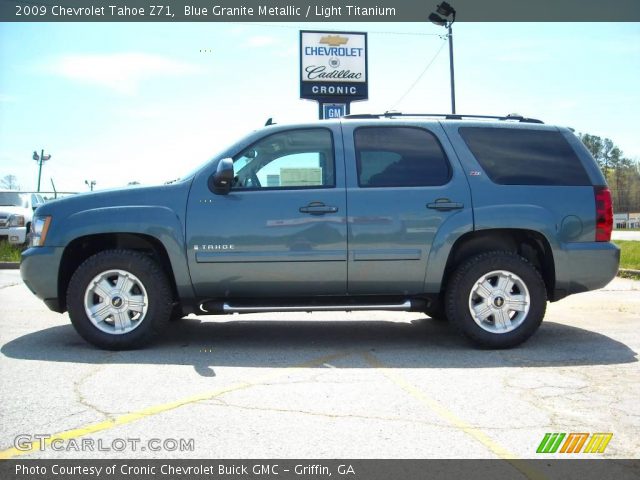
pixel 40 159
pixel 90 184
pixel 441 18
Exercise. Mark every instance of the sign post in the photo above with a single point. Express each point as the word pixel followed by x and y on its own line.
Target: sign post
pixel 333 70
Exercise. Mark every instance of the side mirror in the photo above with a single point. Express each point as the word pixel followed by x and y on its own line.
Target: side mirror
pixel 220 182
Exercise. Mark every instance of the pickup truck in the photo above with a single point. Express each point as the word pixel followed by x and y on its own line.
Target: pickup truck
pixel 16 212
pixel 477 220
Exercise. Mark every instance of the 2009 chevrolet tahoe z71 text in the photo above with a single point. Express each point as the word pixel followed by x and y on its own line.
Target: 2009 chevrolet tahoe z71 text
pixel 477 220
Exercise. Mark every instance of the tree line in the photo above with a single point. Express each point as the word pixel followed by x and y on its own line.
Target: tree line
pixel 622 174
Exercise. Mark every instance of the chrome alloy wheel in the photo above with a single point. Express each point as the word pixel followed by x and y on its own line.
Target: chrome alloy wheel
pixel 499 301
pixel 116 302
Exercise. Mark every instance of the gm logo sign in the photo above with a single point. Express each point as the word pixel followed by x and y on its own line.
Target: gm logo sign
pixel 333 110
pixel 574 443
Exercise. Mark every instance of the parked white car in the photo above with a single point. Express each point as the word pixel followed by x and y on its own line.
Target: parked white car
pixel 16 212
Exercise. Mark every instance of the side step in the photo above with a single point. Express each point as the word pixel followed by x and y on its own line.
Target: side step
pixel 224 307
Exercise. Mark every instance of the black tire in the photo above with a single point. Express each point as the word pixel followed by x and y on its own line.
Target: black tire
pixel 176 314
pixel 27 235
pixel 464 280
pixel 158 297
pixel 437 312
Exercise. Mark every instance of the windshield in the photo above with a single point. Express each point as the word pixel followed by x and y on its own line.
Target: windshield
pixel 12 199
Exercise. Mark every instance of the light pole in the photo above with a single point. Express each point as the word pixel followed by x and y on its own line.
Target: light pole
pixel 446 11
pixel 40 159
pixel 90 184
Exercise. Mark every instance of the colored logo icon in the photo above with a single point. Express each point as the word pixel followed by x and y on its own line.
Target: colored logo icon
pixel 574 443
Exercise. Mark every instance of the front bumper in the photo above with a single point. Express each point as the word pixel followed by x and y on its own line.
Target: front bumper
pixel 39 269
pixel 14 235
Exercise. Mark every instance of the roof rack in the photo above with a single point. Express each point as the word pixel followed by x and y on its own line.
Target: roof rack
pixel 446 116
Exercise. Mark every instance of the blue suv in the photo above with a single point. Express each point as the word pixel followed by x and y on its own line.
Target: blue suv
pixel 478 220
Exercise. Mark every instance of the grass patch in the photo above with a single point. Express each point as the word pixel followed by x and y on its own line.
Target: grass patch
pixel 630 254
pixel 8 252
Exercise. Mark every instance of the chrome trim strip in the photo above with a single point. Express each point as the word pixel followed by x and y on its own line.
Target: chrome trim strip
pixel 270 257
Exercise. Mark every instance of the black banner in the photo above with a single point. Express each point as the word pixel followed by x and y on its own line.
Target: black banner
pixel 319 11
pixel 338 92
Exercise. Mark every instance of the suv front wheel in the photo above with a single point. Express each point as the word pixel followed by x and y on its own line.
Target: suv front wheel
pixel 497 299
pixel 119 299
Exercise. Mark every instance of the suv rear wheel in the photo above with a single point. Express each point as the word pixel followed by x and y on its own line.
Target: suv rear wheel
pixel 119 299
pixel 497 299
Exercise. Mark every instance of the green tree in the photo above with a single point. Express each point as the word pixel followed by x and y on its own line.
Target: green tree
pixel 622 174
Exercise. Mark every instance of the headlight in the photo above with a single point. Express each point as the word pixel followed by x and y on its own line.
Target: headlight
pixel 39 229
pixel 16 221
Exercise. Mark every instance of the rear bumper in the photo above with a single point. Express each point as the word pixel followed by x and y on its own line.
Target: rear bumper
pixel 39 270
pixel 586 266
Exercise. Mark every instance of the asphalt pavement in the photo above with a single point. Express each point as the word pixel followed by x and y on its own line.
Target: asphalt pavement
pixel 319 385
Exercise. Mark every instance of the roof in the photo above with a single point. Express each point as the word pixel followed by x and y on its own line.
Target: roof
pixel 444 116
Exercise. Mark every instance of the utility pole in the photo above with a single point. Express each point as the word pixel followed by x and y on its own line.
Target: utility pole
pixel 90 184
pixel 40 159
pixel 453 88
pixel 447 11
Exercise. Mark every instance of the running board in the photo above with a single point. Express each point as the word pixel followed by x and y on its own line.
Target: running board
pixel 215 307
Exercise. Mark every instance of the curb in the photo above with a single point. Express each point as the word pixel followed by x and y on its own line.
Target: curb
pixel 628 270
pixel 9 265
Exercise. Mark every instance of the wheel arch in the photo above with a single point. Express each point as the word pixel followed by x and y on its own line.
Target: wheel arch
pixel 81 248
pixel 530 244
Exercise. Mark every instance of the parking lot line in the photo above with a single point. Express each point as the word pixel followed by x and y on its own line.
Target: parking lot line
pixel 165 407
pixel 452 418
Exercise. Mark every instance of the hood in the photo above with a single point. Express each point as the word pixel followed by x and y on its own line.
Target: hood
pixel 173 196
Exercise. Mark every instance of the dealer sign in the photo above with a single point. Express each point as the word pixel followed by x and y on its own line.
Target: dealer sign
pixel 333 66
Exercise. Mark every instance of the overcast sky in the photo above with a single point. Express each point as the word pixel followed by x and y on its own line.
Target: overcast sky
pixel 147 102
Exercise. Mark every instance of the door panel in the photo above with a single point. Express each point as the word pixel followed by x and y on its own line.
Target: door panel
pixel 397 204
pixel 281 231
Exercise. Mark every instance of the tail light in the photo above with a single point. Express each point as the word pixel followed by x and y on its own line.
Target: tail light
pixel 604 214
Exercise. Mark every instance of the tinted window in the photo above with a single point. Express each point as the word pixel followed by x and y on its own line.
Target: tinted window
pixel 525 157
pixel 291 159
pixel 399 157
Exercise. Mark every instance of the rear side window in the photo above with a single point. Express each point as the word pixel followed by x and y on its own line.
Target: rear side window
pixel 399 157
pixel 525 157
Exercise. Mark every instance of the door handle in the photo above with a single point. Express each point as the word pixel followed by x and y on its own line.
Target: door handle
pixel 445 204
pixel 318 208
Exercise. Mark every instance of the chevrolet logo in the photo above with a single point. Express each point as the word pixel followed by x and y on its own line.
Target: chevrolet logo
pixel 334 40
